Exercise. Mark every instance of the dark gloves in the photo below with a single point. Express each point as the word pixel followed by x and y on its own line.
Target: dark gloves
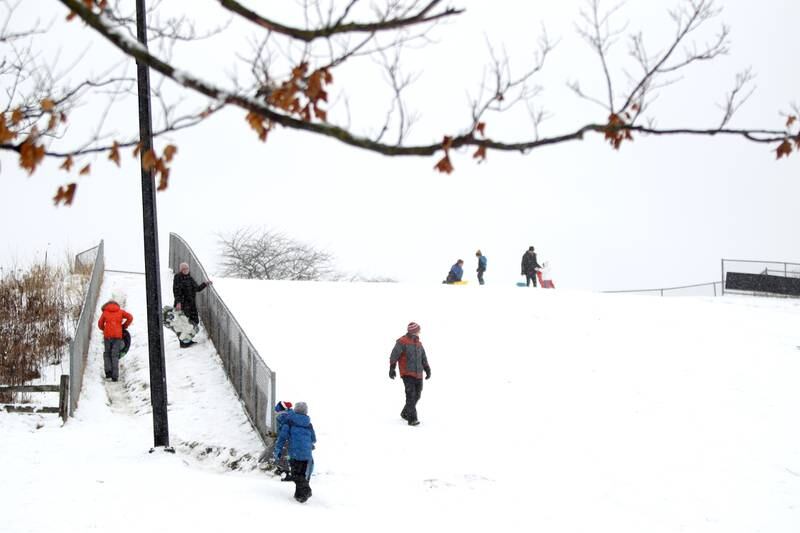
pixel 428 373
pixel 392 373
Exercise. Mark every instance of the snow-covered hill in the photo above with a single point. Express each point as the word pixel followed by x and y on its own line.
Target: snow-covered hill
pixel 547 411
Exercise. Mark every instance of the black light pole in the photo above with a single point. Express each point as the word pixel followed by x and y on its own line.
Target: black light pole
pixel 155 340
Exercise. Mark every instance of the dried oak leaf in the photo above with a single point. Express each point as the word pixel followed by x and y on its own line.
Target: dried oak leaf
pixel 85 170
pixel 169 152
pixel 791 120
pixel 31 154
pixel 444 166
pixel 481 128
pixel 149 160
pixel 256 122
pixel 65 194
pixel 48 105
pixel 785 149
pixel 163 182
pixel 5 133
pixel 114 155
pixel 137 149
pixel 67 164
pixel 16 116
pixel 480 153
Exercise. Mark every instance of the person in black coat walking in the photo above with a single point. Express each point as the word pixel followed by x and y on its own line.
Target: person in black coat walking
pixel 185 288
pixel 529 266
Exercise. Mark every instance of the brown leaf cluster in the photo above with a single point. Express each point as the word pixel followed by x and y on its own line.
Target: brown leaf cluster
pixel 301 95
pixel 260 124
pixel 102 4
pixel 31 154
pixel 480 153
pixel 444 165
pixel 615 131
pixel 785 149
pixel 65 194
pixel 151 162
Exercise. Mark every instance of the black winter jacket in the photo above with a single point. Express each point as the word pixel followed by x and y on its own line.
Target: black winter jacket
pixel 529 263
pixel 184 288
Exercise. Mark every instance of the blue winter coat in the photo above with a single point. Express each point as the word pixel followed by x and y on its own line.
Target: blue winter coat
pixel 455 274
pixel 481 263
pixel 298 431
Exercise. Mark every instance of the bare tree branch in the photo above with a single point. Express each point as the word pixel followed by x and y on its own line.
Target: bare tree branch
pixel 424 15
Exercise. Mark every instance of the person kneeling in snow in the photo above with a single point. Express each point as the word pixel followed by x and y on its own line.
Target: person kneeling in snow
pixel 456 272
pixel 113 322
pixel 297 430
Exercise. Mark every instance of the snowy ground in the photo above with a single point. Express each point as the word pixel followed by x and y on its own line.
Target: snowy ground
pixel 550 411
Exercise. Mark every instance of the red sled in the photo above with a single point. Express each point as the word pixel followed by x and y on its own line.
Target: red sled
pixel 544 283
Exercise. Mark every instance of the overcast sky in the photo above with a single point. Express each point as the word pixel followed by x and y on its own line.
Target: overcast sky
pixel 659 212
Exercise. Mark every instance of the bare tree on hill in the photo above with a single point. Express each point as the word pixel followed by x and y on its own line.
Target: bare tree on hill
pixel 264 254
pixel 290 73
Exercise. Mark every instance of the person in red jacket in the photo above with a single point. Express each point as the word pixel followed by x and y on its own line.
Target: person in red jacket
pixel 113 321
pixel 410 354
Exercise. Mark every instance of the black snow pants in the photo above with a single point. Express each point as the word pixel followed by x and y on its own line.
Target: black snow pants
pixel 413 388
pixel 300 476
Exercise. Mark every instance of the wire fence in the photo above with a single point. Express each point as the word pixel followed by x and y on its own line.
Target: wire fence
pixel 712 288
pixel 253 380
pixel 79 347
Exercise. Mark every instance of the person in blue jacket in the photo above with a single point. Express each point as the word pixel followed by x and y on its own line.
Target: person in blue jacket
pixel 456 272
pixel 481 265
pixel 297 430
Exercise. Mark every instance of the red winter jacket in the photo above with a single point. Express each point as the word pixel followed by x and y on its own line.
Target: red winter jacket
pixel 408 351
pixel 113 320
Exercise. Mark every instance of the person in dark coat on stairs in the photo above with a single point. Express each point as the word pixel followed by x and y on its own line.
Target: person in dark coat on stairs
pixel 410 354
pixel 185 289
pixel 297 430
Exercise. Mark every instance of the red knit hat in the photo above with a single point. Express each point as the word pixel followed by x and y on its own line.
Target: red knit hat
pixel 413 327
pixel 283 406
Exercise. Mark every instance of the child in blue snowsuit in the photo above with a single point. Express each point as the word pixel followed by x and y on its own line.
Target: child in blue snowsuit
pixel 456 272
pixel 297 430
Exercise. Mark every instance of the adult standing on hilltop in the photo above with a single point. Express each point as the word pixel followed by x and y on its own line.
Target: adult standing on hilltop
pixel 530 266
pixel 410 354
pixel 185 288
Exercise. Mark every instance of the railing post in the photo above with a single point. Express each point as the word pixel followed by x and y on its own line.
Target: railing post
pixel 63 398
pixel 722 276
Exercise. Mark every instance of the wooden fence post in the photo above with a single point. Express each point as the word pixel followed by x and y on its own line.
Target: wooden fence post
pixel 63 398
